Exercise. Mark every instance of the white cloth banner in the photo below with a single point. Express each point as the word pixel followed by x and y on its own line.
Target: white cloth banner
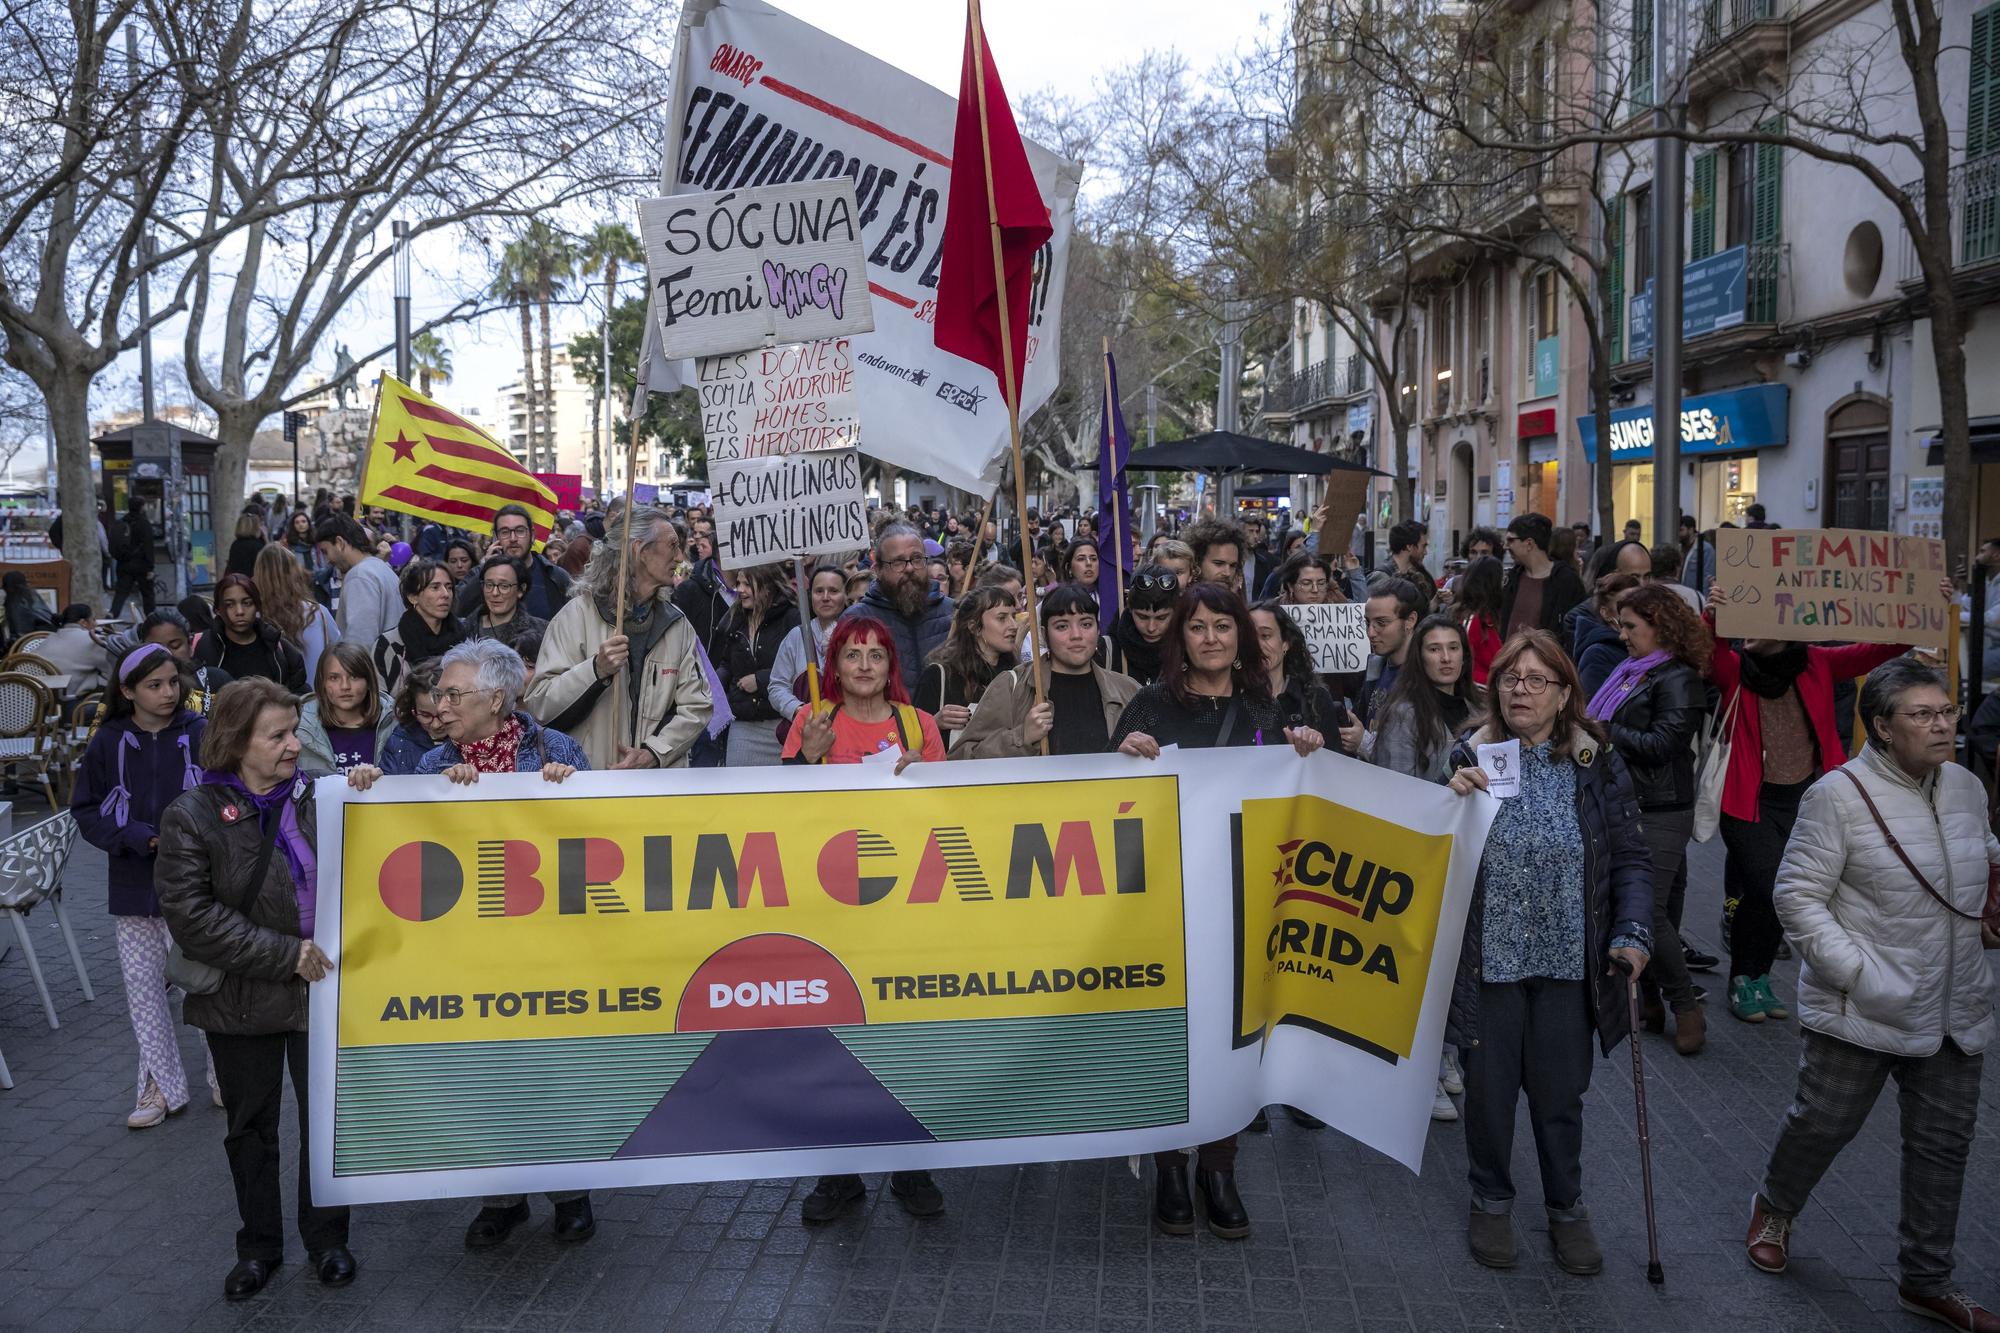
pixel 643 978
pixel 761 97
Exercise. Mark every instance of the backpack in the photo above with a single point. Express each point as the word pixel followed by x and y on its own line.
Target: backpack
pixel 909 726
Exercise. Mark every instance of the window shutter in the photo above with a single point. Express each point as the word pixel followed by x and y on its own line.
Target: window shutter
pixel 1614 280
pixel 1702 244
pixel 1982 96
pixel 1767 222
pixel 1642 54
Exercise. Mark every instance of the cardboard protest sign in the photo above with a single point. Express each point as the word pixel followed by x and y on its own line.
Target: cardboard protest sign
pixel 762 97
pixel 771 401
pixel 1337 633
pixel 1818 584
pixel 769 509
pixel 736 268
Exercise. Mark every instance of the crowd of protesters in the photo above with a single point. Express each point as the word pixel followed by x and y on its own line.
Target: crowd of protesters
pixel 354 643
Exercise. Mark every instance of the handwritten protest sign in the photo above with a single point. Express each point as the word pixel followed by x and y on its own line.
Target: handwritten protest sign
pixel 769 509
pixel 1337 633
pixel 1816 584
pixel 772 401
pixel 737 268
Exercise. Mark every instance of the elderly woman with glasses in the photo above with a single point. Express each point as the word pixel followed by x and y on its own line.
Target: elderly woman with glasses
pixel 1564 895
pixel 477 697
pixel 1881 890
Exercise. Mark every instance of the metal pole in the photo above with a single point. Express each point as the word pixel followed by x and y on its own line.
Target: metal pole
pixel 1669 216
pixel 401 231
pixel 145 241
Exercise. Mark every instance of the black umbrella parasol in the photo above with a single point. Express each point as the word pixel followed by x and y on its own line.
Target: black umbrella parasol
pixel 1224 453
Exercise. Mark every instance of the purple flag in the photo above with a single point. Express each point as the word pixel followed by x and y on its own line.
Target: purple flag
pixel 1114 503
pixel 722 717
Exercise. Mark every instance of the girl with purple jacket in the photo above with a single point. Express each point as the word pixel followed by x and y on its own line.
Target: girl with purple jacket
pixel 142 757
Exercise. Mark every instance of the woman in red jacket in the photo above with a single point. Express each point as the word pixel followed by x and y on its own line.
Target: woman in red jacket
pixel 1783 738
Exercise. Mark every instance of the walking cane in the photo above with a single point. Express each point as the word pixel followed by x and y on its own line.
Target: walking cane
pixel 1654 1273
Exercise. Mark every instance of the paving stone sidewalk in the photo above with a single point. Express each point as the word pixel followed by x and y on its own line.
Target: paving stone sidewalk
pixel 101 1227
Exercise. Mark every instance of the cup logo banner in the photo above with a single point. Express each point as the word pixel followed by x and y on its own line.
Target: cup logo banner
pixel 743 973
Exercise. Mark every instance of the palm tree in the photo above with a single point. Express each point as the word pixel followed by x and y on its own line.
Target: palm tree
pixel 548 259
pixel 513 285
pixel 431 360
pixel 608 245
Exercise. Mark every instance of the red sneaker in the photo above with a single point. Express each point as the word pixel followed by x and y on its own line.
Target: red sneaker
pixel 1770 1238
pixel 1953 1309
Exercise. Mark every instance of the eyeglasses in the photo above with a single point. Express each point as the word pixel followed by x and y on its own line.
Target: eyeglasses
pixel 903 562
pixel 1925 717
pixel 424 716
pixel 1514 682
pixel 456 696
pixel 498 585
pixel 513 530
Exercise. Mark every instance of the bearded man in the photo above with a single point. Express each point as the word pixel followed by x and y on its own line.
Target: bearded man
pixel 906 599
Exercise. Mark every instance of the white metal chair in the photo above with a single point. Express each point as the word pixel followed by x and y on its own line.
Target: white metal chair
pixel 31 868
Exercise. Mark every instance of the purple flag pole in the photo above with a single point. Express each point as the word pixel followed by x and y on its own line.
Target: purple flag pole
pixel 1114 502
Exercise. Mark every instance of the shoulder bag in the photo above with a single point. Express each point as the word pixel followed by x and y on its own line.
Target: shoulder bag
pixel 199 978
pixel 1992 912
pixel 1714 770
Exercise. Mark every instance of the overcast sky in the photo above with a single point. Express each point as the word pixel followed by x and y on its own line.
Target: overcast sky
pixel 1039 45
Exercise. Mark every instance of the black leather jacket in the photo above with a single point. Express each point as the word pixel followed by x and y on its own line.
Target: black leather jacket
pixel 1654 730
pixel 206 860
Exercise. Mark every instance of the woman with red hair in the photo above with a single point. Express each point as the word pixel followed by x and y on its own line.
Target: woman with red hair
pixel 864 709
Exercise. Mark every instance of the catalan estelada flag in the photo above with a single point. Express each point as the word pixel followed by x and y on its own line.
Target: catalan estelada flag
pixel 429 461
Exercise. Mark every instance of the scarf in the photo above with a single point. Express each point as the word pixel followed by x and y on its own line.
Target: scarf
pixel 1772 675
pixel 1624 678
pixel 645 625
pixel 1141 656
pixel 498 753
pixel 299 854
pixel 421 643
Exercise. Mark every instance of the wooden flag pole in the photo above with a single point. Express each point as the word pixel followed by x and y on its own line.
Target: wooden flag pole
pixel 1117 510
pixel 1008 380
pixel 978 544
pixel 624 583
pixel 800 577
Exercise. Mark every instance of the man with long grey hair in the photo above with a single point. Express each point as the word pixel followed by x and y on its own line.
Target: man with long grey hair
pixel 646 670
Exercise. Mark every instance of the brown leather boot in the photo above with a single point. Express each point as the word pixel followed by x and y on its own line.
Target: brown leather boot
pixel 1770 1240
pixel 1690 1030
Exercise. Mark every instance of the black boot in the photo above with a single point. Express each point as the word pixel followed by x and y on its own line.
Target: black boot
pixel 574 1221
pixel 334 1267
pixel 1226 1217
pixel 830 1198
pixel 917 1192
pixel 246 1279
pixel 1304 1119
pixel 493 1225
pixel 1173 1210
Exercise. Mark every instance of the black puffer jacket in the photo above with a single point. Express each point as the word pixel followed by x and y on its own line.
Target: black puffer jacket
pixel 1654 730
pixel 204 869
pixel 1617 898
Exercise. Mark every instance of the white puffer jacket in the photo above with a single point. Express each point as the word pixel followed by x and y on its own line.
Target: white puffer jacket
pixel 1885 966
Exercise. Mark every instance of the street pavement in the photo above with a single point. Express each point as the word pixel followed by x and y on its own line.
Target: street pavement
pixel 101 1227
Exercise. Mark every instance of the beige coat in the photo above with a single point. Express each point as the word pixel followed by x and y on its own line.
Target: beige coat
pixel 995 729
pixel 674 702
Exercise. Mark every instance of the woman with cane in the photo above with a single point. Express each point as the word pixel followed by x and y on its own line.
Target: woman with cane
pixel 1564 888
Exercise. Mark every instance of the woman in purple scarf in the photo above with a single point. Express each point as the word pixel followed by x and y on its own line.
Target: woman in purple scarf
pixel 238 880
pixel 1651 705
pixel 142 757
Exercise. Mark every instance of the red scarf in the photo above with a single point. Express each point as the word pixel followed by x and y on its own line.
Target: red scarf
pixel 498 752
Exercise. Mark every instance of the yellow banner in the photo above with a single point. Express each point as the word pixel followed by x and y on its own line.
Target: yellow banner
pixel 495 920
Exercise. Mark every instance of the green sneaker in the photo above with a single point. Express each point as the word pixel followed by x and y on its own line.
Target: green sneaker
pixel 1745 1002
pixel 1767 999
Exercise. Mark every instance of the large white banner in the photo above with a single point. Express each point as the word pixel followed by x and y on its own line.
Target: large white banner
pixel 652 977
pixel 763 98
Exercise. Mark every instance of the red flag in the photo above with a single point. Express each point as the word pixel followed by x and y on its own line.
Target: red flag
pixel 968 304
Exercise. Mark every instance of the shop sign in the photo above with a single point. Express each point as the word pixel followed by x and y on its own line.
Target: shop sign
pixel 1733 421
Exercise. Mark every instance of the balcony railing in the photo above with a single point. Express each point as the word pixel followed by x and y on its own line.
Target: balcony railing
pixel 1357 374
pixel 1975 216
pixel 1320 382
pixel 1721 20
